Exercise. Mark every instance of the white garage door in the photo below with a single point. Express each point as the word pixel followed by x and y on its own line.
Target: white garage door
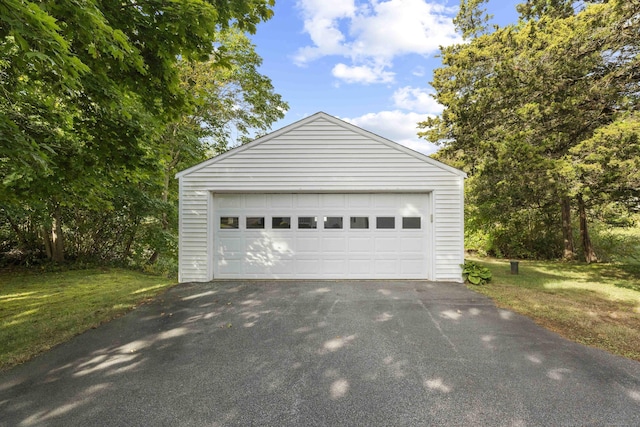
pixel 355 236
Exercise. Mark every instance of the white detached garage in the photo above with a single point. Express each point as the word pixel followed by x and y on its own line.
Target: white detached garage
pixel 321 199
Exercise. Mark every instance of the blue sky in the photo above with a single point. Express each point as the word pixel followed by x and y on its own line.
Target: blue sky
pixel 368 62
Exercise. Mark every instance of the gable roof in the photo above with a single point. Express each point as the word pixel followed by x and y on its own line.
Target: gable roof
pixel 334 120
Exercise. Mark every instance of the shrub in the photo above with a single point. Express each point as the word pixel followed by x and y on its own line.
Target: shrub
pixel 615 244
pixel 475 274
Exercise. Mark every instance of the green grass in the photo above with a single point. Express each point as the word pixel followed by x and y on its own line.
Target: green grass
pixel 597 304
pixel 41 310
pixel 621 244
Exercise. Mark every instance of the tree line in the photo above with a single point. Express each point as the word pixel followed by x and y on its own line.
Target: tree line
pixel 102 102
pixel 543 116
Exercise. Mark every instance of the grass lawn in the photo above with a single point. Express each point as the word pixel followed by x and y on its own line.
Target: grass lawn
pixel 596 305
pixel 41 310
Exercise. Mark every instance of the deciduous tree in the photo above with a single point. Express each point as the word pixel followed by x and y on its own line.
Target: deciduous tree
pixel 87 88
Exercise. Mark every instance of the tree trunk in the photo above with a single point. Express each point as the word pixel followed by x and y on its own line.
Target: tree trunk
pixel 127 248
pixel 165 199
pixel 168 173
pixel 46 238
pixel 20 235
pixel 57 239
pixel 154 257
pixel 163 216
pixel 587 246
pixel 132 236
pixel 567 231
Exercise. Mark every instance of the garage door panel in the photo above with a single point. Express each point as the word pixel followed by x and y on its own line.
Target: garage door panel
pixel 359 201
pixel 411 206
pixel 307 245
pixel 257 265
pixel 321 253
pixel 385 200
pixel 360 245
pixel 308 201
pixel 334 267
pixel 359 266
pixel 229 255
pixel 283 246
pixel 259 245
pixel 412 244
pixel 412 267
pixel 333 201
pixel 410 209
pixel 283 267
pixel 261 258
pixel 333 244
pixel 224 201
pixel 411 257
pixel 307 266
pixel 230 266
pixel 231 245
pixel 281 201
pixel 385 267
pixel 387 244
pixel 256 201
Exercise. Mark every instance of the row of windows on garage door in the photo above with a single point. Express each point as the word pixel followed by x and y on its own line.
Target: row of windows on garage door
pixel 312 222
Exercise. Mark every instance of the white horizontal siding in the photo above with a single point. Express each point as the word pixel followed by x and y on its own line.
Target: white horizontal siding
pixel 193 254
pixel 449 230
pixel 320 156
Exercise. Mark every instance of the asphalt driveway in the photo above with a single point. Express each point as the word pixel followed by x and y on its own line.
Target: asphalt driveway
pixel 357 353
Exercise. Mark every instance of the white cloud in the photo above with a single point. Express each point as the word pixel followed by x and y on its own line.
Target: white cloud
pixel 419 71
pixel 416 99
pixel 321 22
pixel 397 27
pixel 362 74
pixel 398 126
pixel 374 31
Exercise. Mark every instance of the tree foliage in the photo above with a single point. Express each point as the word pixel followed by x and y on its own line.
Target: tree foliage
pixel 100 102
pixel 472 18
pixel 540 114
pixel 104 61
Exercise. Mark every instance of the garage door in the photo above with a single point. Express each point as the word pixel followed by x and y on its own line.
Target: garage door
pixel 356 236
